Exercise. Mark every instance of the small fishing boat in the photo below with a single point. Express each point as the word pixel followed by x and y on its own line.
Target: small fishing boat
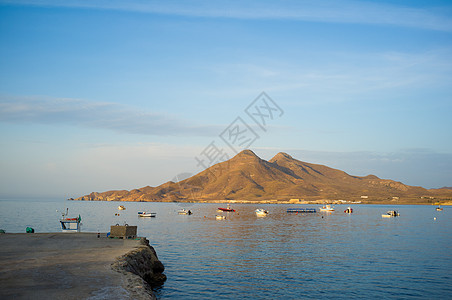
pixel 349 210
pixel 327 208
pixel 70 224
pixel 390 214
pixel 228 209
pixel 146 214
pixel 260 212
pixel 184 212
pixel 121 207
pixel 439 208
pixel 220 217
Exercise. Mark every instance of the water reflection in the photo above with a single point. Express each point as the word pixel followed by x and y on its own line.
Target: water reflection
pixel 282 255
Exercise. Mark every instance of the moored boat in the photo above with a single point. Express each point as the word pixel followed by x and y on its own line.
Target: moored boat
pixel 184 212
pixel 327 208
pixel 228 209
pixel 70 224
pixel 121 207
pixel 146 214
pixel 391 214
pixel 219 217
pixel 260 212
pixel 439 208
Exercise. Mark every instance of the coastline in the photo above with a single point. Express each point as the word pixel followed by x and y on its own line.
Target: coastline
pixel 75 266
pixel 410 201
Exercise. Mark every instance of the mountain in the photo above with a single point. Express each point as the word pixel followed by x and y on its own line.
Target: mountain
pixel 248 177
pixel 445 188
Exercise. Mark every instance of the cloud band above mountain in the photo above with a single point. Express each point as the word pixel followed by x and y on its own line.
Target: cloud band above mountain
pixel 101 115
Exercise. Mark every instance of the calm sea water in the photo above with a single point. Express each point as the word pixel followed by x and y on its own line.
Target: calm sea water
pixel 281 256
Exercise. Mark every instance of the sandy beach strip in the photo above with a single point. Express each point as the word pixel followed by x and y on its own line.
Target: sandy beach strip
pixel 63 266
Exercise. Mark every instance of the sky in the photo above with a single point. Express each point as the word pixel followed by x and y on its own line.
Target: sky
pixel 101 95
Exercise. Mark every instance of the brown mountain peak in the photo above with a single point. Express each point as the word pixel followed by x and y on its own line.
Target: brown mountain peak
pixel 370 177
pixel 281 156
pixel 246 154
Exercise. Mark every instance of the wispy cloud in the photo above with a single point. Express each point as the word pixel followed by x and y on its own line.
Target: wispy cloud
pixel 102 115
pixel 346 11
pixel 340 76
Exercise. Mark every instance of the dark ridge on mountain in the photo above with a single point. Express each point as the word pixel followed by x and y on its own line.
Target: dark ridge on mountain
pixel 248 177
pixel 245 153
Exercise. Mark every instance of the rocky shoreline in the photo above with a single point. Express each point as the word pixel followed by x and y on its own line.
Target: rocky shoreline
pixel 404 201
pixel 141 269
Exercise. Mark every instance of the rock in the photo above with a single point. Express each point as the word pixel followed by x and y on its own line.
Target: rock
pixel 142 268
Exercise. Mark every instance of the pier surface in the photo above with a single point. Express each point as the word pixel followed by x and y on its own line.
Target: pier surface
pixel 62 266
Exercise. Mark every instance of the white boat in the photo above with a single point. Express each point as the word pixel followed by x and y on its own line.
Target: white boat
pixel 121 207
pixel 146 214
pixel 220 217
pixel 70 224
pixel 390 214
pixel 260 212
pixel 327 208
pixel 184 212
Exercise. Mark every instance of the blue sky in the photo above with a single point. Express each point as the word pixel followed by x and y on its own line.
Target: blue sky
pixel 100 95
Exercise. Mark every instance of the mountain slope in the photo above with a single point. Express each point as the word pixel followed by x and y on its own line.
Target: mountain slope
pixel 248 177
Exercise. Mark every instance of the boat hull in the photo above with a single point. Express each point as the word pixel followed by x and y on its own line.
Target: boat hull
pixel 143 214
pixel 261 212
pixel 70 225
pixel 390 214
pixel 147 216
pixel 226 209
pixel 327 208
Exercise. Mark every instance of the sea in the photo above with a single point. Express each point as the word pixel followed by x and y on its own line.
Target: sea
pixel 280 256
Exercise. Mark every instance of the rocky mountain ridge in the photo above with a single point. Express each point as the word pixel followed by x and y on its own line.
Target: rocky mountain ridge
pixel 247 177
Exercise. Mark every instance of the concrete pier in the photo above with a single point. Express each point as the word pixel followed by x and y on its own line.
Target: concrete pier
pixel 71 266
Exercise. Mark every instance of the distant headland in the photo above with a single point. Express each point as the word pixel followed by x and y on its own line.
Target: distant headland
pixel 282 179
